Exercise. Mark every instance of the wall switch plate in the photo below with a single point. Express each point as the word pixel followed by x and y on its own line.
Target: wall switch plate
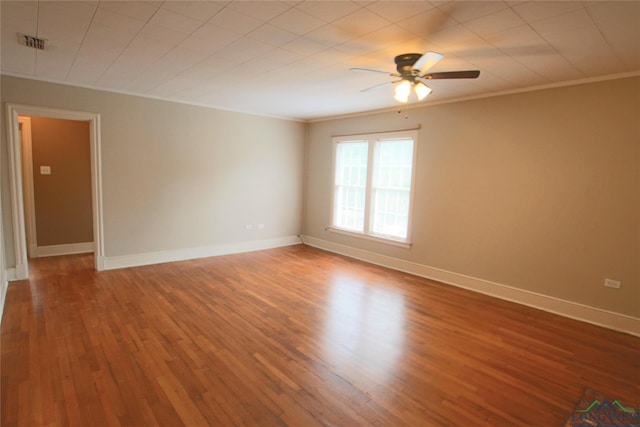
pixel 248 227
pixel 610 283
pixel 45 170
pixel 260 226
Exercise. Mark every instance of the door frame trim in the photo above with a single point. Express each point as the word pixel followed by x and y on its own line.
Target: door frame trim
pixel 27 185
pixel 16 184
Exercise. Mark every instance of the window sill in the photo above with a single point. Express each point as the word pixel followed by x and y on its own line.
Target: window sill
pixel 388 241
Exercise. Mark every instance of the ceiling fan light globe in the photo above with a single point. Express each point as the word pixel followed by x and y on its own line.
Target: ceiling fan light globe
pixel 402 98
pixel 422 90
pixel 402 91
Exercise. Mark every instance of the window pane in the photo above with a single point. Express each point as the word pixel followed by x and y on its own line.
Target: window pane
pixel 351 163
pixel 391 213
pixel 349 209
pixel 393 164
pixel 391 187
pixel 350 185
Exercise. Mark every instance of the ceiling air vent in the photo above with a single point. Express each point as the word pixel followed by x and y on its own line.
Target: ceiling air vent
pixel 32 41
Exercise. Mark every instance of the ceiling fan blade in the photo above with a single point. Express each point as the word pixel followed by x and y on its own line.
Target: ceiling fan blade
pixel 470 74
pixel 378 86
pixel 366 70
pixel 427 61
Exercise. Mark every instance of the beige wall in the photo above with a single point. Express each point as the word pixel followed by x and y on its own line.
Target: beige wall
pixel 177 176
pixel 62 199
pixel 538 191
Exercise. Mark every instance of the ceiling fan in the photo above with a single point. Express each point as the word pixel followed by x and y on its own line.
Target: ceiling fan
pixel 412 69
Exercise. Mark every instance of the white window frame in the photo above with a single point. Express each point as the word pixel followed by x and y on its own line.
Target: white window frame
pixel 372 139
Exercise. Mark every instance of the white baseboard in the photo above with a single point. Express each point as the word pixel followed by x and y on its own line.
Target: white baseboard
pixel 577 311
pixel 135 260
pixel 4 285
pixel 101 263
pixel 67 249
pixel 19 272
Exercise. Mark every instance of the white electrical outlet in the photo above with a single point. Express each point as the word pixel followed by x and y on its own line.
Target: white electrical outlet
pixel 248 227
pixel 260 226
pixel 610 283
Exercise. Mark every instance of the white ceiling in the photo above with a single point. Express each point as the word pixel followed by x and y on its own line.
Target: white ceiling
pixel 292 58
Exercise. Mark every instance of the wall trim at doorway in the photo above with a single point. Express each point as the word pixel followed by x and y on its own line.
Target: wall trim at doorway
pixel 16 184
pixel 4 286
pixel 27 185
pixel 11 274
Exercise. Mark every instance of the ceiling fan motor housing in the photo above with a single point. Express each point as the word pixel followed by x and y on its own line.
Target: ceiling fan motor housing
pixel 404 63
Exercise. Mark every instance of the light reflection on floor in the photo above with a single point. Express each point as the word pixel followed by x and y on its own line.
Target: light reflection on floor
pixel 364 327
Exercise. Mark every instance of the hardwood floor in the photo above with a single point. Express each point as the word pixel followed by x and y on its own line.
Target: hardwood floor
pixel 290 337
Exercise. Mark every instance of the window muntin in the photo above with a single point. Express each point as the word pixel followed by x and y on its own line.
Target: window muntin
pixel 373 177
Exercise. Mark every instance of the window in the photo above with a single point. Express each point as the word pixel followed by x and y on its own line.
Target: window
pixel 373 179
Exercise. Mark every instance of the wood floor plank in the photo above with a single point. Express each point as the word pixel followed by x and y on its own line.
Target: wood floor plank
pixel 290 337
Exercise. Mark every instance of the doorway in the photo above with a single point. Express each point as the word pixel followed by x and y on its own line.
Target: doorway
pixel 56 184
pixel 20 245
